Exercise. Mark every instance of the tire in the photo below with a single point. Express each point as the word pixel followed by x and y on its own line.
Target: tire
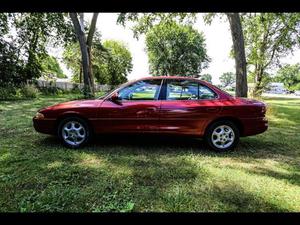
pixel 222 141
pixel 76 130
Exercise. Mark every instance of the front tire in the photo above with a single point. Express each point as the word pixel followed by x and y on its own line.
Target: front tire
pixel 74 132
pixel 222 136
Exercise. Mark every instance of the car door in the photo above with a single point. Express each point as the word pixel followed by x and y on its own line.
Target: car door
pixel 187 104
pixel 137 109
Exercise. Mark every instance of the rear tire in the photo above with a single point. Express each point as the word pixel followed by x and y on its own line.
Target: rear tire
pixel 74 132
pixel 222 136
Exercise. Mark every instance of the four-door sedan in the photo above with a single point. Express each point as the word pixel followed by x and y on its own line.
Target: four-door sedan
pixel 164 105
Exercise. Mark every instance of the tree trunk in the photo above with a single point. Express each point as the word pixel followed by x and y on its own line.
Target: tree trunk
pixel 80 74
pixel 88 92
pixel 257 91
pixel 89 44
pixel 239 54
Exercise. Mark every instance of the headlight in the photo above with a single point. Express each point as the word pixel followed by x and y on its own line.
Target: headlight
pixel 39 116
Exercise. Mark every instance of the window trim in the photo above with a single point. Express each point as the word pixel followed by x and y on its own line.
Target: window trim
pixel 198 82
pixel 132 100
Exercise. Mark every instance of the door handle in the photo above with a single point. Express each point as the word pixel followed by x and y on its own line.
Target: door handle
pixel 146 112
pixel 212 109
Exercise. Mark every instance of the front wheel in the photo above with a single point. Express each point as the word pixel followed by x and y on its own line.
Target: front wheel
pixel 73 132
pixel 222 136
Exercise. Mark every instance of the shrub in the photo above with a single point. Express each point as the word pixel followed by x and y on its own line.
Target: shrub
pixel 75 89
pixel 51 90
pixel 29 91
pixel 8 93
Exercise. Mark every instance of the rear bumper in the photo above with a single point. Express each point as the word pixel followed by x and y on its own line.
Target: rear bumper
pixel 45 126
pixel 253 126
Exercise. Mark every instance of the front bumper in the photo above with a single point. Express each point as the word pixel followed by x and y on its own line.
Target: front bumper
pixel 46 126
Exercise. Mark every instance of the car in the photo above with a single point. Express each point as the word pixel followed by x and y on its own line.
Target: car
pixel 170 105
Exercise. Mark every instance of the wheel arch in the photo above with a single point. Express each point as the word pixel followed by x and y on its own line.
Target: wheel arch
pixel 73 114
pixel 234 120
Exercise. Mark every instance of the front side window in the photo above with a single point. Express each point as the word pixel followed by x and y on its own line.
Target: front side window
pixel 188 90
pixel 141 90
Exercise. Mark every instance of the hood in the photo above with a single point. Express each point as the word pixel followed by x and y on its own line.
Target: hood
pixel 75 104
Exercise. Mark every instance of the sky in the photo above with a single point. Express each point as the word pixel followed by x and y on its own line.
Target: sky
pixel 218 44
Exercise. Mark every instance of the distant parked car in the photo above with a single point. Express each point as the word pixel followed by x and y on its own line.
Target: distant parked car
pixel 164 105
pixel 297 93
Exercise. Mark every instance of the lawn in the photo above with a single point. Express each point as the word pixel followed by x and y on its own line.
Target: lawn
pixel 127 173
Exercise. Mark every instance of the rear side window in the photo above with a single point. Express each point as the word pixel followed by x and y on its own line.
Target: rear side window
pixel 206 93
pixel 187 90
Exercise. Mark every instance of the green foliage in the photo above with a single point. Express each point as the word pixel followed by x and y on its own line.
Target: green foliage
pixel 29 91
pixel 8 93
pixel 143 22
pixel 12 92
pixel 4 23
pixel 207 77
pixel 11 67
pixel 111 62
pixel 72 59
pixel 118 63
pixel 24 48
pixel 296 87
pixel 208 17
pixel 50 66
pixel 268 38
pixel 175 49
pixel 51 90
pixel 35 30
pixel 227 79
pixel 290 76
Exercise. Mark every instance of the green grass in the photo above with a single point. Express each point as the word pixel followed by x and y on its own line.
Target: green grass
pixel 148 173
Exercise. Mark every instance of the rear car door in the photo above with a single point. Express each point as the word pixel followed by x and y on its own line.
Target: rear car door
pixel 186 106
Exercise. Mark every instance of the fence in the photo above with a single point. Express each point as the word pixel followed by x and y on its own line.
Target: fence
pixel 69 85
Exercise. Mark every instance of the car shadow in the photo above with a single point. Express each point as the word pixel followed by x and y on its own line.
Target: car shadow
pixel 148 140
pixel 151 142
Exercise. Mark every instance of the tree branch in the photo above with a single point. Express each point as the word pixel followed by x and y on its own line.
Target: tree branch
pixel 92 29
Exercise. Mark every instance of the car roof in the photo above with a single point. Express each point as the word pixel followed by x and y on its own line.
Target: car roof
pixel 167 77
pixel 221 93
pixel 170 77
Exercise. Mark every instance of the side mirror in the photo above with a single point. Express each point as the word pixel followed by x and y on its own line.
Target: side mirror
pixel 115 97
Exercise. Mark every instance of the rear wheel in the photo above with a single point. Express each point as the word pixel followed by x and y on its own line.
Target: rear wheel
pixel 74 132
pixel 222 136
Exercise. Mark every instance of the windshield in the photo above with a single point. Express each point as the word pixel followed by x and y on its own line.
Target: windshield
pixel 109 92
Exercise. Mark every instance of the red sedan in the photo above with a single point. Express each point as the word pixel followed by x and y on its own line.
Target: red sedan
pixel 165 105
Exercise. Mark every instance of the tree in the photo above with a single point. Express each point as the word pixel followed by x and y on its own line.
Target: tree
pixel 227 79
pixel 72 59
pixel 34 32
pixel 207 77
pixel 26 36
pixel 85 48
pixel 268 37
pixel 111 65
pixel 290 76
pixel 118 63
pixel 239 54
pixel 11 66
pixel 175 49
pixel 50 66
pixel 143 22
